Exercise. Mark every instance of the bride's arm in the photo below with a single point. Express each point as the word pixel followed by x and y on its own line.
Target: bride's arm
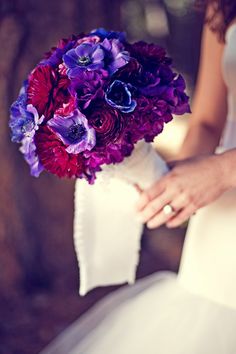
pixel 210 100
pixel 199 181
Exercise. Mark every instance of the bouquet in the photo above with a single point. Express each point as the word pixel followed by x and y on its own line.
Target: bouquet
pixel 90 100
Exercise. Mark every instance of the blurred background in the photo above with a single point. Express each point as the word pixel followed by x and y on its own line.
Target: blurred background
pixel 38 269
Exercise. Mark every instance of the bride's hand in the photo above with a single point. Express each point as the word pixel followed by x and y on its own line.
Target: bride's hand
pixel 190 185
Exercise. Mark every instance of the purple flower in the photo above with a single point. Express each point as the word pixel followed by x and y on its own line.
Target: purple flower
pixel 150 56
pixel 155 83
pixel 148 119
pixel 119 96
pixel 22 117
pixel 182 100
pixel 57 53
pixel 74 131
pixel 85 56
pixel 116 56
pixel 152 88
pixel 164 85
pixel 24 122
pixel 131 72
pixel 28 149
pixel 89 86
pixel 20 120
pixel 173 93
pixel 102 33
pixel 114 153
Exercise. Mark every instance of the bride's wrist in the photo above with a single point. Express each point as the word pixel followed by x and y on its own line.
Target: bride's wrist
pixel 227 164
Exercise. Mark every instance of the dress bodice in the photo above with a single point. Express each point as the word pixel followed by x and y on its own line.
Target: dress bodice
pixel 208 265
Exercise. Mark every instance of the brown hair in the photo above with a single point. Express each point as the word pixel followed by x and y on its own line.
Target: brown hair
pixel 222 14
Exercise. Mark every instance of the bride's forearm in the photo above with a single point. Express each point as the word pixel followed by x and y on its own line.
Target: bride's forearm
pixel 228 167
pixel 201 139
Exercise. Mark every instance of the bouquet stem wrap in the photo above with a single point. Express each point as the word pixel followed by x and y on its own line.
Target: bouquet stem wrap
pixel 107 232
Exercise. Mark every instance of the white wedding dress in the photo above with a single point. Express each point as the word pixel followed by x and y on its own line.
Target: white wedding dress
pixel 193 312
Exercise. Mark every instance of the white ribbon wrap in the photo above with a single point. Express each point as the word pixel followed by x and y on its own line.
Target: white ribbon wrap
pixel 107 232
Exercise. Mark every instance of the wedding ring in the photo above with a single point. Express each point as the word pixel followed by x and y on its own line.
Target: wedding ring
pixel 168 209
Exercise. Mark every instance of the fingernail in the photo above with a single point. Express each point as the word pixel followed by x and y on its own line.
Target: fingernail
pixel 139 205
pixel 141 202
pixel 150 225
pixel 169 226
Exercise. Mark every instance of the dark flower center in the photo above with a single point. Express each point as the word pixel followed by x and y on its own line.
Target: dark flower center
pixel 84 60
pixel 76 133
pixel 119 94
pixel 98 122
pixel 119 97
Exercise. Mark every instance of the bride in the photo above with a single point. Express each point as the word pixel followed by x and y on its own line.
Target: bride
pixel 195 311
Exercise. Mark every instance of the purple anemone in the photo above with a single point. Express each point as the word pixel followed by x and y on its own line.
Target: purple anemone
pixel 28 147
pixel 24 122
pixel 85 56
pixel 22 119
pixel 116 56
pixel 74 131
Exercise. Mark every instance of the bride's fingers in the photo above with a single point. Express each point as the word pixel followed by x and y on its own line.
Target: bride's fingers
pixel 155 207
pixel 149 194
pixel 159 219
pixel 181 217
pixel 154 213
pixel 182 210
pixel 180 202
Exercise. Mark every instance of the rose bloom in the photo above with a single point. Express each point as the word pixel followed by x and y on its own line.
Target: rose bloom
pixel 108 123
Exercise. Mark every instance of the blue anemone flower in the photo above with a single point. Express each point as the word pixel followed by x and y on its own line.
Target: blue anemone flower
pixel 103 33
pixel 118 95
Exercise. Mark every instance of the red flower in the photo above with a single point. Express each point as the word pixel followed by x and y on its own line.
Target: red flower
pixel 41 82
pixel 64 101
pixel 108 123
pixel 54 157
pixel 48 92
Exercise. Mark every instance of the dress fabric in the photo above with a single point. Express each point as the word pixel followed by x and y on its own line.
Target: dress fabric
pixel 193 312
